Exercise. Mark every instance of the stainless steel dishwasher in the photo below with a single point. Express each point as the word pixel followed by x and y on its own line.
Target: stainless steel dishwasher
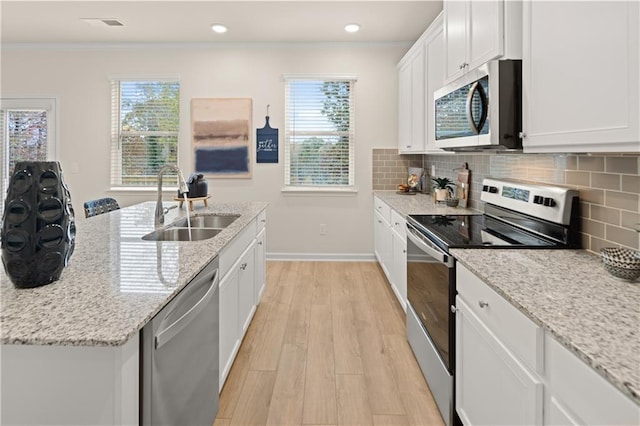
pixel 179 377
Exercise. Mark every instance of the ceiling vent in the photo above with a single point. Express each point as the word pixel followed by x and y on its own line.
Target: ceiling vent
pixel 100 22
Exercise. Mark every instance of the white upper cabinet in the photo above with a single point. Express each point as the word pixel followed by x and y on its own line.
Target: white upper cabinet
pixel 420 73
pixel 581 78
pixel 477 31
pixel 411 100
pixel 434 79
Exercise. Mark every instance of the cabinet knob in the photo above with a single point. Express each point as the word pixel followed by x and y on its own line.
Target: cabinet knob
pixel 379 221
pixel 482 303
pixel 243 266
pixel 404 251
pixel 453 309
pixel 263 220
pixel 522 135
pixel 259 243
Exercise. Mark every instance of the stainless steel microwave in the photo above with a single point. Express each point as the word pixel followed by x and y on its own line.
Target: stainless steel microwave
pixel 482 109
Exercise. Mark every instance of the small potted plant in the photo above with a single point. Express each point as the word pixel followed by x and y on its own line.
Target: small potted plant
pixel 444 188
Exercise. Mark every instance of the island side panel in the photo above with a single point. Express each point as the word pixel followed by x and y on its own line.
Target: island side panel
pixel 70 385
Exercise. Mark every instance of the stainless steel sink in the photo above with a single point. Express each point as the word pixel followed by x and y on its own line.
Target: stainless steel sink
pixel 182 234
pixel 202 228
pixel 209 221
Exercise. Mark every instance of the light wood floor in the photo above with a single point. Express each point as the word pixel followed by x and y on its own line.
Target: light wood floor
pixel 327 346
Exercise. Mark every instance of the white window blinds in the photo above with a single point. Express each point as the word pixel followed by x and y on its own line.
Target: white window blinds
pixel 319 132
pixel 145 120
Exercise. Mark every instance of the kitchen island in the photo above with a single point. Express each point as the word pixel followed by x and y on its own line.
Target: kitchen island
pixel 82 331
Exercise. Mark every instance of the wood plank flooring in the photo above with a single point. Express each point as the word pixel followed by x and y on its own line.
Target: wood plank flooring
pixel 327 346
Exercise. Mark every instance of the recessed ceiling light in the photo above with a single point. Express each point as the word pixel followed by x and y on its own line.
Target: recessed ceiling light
pixel 352 28
pixel 219 28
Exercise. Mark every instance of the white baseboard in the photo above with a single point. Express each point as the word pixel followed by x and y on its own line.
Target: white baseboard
pixel 324 257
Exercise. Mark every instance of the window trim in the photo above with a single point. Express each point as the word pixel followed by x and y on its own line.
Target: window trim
pixel 319 189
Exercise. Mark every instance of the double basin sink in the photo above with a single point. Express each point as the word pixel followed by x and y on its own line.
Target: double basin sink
pixel 202 227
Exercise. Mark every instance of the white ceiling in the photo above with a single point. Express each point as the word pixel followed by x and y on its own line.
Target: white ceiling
pixel 57 22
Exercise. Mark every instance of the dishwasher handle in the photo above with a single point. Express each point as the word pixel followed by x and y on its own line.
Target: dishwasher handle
pixel 168 333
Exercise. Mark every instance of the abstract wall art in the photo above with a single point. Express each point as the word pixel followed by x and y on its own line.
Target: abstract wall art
pixel 221 137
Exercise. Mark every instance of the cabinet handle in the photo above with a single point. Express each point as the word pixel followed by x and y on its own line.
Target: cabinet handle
pixel 397 223
pixel 263 220
pixel 379 207
pixel 460 66
pixel 243 266
pixel 522 135
pixel 408 146
pixel 482 303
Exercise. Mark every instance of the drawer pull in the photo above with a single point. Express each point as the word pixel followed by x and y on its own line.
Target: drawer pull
pixel 482 303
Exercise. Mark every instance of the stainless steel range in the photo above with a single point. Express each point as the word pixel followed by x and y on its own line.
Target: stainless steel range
pixel 516 215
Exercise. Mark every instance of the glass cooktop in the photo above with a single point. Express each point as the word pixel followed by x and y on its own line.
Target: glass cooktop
pixel 476 231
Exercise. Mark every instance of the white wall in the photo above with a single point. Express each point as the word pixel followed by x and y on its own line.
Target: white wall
pixel 79 79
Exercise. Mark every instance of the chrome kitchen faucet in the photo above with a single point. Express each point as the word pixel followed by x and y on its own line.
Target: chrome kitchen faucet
pixel 160 210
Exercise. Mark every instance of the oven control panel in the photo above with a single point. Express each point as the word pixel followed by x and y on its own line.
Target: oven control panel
pixel 548 202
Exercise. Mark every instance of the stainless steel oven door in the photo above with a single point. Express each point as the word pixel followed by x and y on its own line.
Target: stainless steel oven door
pixel 431 292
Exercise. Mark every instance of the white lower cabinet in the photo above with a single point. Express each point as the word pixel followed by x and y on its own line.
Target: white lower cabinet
pixel 492 385
pixel 242 267
pixel 382 239
pixel 576 395
pixel 399 248
pixel 508 371
pixel 261 265
pixel 390 247
pixel 229 336
pixel 246 289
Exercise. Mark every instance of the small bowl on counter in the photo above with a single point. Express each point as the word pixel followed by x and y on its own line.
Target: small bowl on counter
pixel 621 262
pixel 452 202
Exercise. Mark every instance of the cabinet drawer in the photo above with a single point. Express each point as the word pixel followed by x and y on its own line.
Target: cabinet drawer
pixel 518 333
pixel 585 395
pixel 262 220
pixel 234 249
pixel 382 208
pixel 399 224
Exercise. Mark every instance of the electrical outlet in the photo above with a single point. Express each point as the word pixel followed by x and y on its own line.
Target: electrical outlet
pixel 323 229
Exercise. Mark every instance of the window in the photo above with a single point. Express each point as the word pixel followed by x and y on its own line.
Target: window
pixel 145 119
pixel 28 134
pixel 319 133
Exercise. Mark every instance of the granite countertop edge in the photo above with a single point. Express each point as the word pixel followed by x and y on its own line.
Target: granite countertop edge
pixel 26 318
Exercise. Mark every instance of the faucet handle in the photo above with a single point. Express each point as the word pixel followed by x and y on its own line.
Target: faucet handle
pixel 181 182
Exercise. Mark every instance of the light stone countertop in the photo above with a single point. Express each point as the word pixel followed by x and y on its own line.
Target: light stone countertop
pixel 569 293
pixel 419 204
pixel 115 282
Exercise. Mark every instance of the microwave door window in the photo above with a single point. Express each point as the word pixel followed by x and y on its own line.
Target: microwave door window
pixel 451 115
pixel 476 108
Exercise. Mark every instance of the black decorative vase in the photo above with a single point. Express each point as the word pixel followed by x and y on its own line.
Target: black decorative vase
pixel 38 225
